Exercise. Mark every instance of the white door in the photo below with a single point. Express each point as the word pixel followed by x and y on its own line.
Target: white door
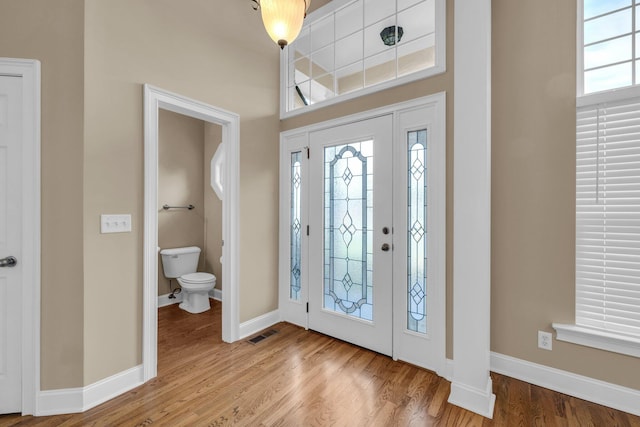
pixel 10 244
pixel 350 218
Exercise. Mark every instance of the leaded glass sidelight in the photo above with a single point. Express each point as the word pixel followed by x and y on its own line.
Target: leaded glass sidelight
pixel 417 231
pixel 295 226
pixel 348 246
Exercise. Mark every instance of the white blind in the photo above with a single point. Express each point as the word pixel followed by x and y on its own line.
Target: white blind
pixel 608 216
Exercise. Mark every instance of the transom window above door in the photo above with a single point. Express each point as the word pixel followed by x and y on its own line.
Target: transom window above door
pixel 349 48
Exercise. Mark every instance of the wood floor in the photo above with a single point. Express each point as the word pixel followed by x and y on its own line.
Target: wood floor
pixel 302 378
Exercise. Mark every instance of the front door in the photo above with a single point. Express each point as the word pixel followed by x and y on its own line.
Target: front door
pixel 350 219
pixel 10 244
pixel 363 230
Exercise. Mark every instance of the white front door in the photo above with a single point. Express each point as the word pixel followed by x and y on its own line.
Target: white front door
pixel 10 244
pixel 350 218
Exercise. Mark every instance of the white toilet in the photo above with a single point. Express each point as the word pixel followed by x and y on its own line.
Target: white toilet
pixel 182 264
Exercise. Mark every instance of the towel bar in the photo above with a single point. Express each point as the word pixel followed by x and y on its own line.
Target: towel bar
pixel 167 207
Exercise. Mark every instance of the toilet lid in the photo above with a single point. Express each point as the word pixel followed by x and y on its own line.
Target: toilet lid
pixel 197 277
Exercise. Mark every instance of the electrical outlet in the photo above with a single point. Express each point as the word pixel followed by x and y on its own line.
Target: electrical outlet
pixel 544 340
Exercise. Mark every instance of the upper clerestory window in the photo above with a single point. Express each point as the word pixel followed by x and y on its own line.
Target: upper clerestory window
pixel 609 45
pixel 350 48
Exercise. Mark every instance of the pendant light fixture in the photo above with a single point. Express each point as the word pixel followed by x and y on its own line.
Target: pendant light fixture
pixel 388 35
pixel 282 18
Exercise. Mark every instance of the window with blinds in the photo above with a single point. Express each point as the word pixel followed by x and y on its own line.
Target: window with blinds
pixel 608 216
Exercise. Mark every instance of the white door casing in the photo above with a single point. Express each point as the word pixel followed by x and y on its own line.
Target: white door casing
pixel 155 99
pixel 20 234
pixel 10 244
pixel 426 349
pixel 350 274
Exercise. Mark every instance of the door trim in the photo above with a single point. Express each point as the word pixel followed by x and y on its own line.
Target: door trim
pixel 29 71
pixel 155 99
pixel 298 139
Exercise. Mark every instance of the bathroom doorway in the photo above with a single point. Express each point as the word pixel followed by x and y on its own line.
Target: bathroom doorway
pixel 189 210
pixel 155 100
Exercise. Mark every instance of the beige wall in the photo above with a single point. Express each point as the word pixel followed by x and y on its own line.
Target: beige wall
pixel 52 32
pixel 212 207
pixel 180 183
pixel 533 188
pixel 191 47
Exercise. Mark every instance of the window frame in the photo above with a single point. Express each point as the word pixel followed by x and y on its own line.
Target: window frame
pixel 610 95
pixel 438 68
pixel 590 336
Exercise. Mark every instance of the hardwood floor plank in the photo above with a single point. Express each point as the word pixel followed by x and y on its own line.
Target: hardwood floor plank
pixel 437 400
pixel 518 402
pixel 302 378
pixel 543 408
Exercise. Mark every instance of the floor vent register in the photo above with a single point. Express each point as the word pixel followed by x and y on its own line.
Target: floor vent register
pixel 266 334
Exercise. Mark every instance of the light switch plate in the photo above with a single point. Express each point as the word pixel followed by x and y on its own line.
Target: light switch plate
pixel 115 223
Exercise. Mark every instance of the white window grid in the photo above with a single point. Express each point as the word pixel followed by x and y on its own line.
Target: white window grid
pixel 329 13
pixel 633 61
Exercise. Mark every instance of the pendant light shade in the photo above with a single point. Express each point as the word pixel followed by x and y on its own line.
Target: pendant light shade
pixel 388 35
pixel 283 19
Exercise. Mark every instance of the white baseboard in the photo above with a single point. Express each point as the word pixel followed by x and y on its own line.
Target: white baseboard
pixel 164 300
pixel 216 294
pixel 480 401
pixel 111 387
pixel 259 323
pixel 55 402
pixel 596 391
pixel 73 400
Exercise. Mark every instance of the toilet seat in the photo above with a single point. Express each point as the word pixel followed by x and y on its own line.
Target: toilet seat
pixel 197 282
pixel 197 278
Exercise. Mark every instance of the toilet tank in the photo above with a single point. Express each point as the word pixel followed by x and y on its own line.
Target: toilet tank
pixel 177 262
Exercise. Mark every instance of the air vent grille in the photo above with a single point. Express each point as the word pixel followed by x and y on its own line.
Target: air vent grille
pixel 266 334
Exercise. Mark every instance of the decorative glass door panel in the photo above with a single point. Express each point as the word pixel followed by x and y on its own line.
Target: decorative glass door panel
pixel 348 194
pixel 350 215
pixel 417 231
pixel 294 194
pixel 295 226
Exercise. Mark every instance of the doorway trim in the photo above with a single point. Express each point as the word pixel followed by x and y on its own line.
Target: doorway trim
pixel 29 72
pixel 154 100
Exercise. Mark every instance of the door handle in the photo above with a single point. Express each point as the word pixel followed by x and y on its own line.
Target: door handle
pixel 9 261
pixel 385 247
